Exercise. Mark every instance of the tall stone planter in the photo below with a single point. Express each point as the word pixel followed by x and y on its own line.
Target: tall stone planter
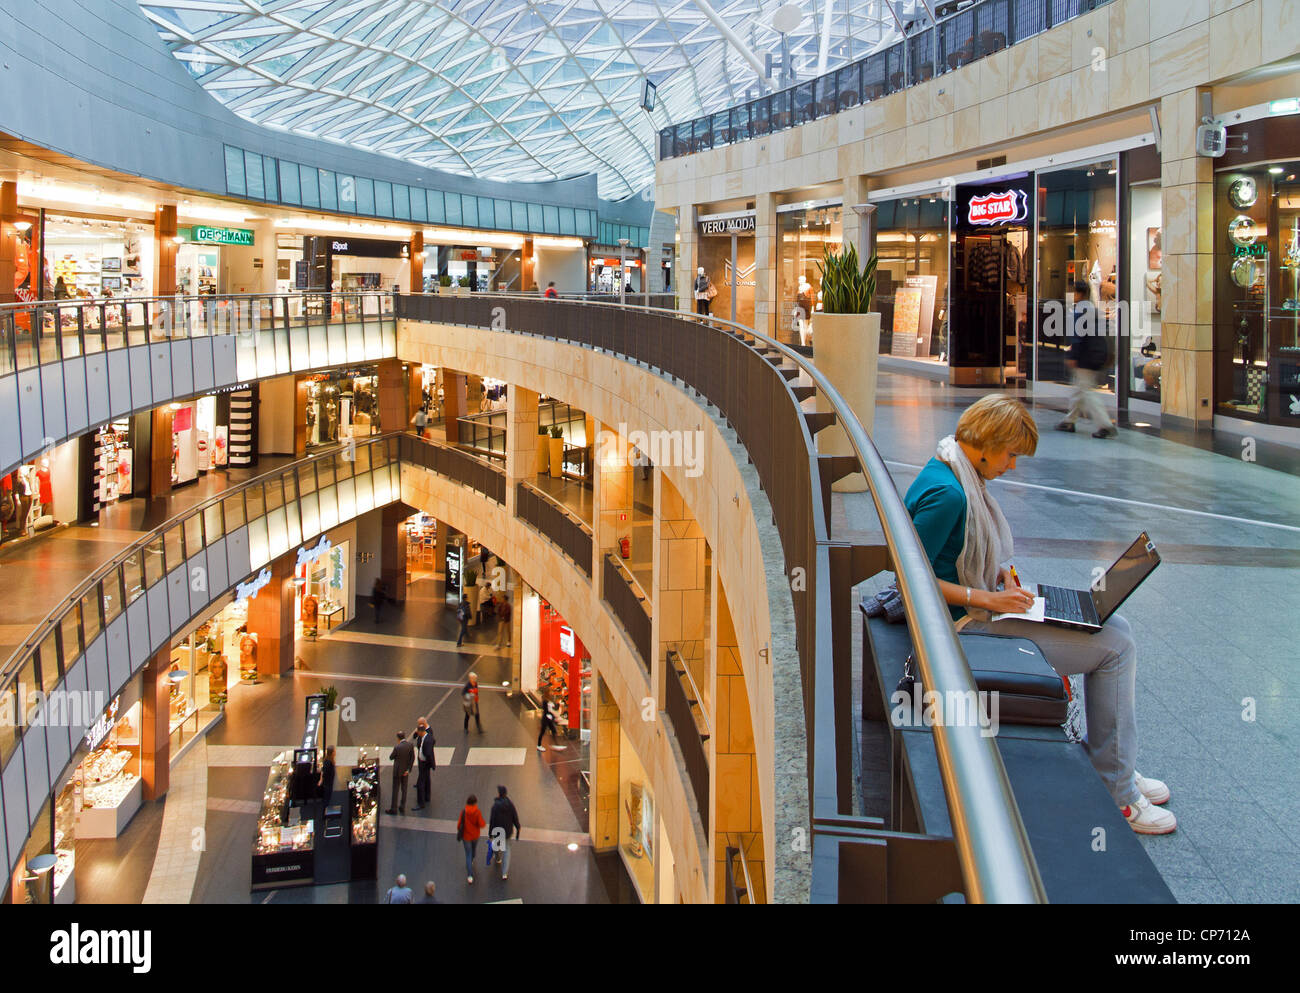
pixel 846 349
pixel 543 452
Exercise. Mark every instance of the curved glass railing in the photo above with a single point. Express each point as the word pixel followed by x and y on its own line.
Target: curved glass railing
pixel 959 37
pixel 69 365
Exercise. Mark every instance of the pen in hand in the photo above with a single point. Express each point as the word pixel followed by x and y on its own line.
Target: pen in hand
pixel 1012 570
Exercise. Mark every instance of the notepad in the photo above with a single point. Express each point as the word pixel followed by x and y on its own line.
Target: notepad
pixel 1034 613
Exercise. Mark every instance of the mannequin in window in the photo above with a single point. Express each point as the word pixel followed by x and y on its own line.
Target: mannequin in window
pixel 701 287
pixel 803 309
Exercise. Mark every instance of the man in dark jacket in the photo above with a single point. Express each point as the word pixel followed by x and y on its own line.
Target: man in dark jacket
pixel 462 617
pixel 403 756
pixel 503 819
pixel 424 752
pixel 1086 359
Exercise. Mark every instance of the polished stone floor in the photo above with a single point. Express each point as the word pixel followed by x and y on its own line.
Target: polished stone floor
pixel 1217 624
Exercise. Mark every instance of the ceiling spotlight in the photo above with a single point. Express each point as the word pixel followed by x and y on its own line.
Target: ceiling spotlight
pixel 572 846
pixel 23 225
pixel 1276 170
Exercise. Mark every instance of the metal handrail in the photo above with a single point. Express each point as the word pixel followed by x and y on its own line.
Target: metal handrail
pixel 562 508
pixel 744 868
pixel 699 697
pixel 992 845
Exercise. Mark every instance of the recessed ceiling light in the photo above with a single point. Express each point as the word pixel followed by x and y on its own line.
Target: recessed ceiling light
pixel 1141 424
pixel 573 846
pixel 1276 170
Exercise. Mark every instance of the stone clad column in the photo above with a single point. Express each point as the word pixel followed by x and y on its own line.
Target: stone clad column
pixel 767 275
pixel 603 810
pixel 270 617
pixel 155 724
pixel 681 594
pixel 164 272
pixel 521 440
pixel 613 497
pixel 688 250
pixel 738 816
pixel 1187 321
pixel 453 403
pixel 394 402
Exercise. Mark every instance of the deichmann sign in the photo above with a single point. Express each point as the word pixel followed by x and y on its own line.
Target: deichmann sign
pixel 218 236
pixel 728 226
pixel 1006 207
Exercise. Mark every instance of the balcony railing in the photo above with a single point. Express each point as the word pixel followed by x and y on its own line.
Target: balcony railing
pixel 629 606
pixel 685 709
pixel 556 522
pixel 758 385
pixel 956 40
pixel 479 474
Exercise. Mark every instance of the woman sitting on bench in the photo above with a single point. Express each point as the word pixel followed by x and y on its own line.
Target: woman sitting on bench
pixel 969 545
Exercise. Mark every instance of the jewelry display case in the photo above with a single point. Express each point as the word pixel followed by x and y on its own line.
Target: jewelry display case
pixel 284 843
pixel 363 802
pixel 111 788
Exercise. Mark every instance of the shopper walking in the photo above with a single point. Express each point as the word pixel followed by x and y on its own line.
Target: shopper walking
pixel 469 701
pixel 377 597
pixel 421 421
pixel 463 615
pixel 468 828
pixel 403 756
pixel 424 744
pixel 428 893
pixel 548 722
pixel 551 292
pixel 504 611
pixel 1086 359
pixel 503 819
pixel 399 892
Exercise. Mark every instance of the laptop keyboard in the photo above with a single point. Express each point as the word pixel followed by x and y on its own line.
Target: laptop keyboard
pixel 1063 604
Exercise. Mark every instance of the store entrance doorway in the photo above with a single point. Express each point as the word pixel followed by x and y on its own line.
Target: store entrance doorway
pixel 992 282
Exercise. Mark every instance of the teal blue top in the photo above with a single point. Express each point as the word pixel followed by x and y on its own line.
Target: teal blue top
pixel 937 504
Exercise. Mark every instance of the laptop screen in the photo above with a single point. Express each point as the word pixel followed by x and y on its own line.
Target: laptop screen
pixel 1123 577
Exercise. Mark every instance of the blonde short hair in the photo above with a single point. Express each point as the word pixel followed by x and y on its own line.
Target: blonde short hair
pixel 998 423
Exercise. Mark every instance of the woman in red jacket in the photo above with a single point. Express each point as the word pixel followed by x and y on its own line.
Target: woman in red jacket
pixel 468 828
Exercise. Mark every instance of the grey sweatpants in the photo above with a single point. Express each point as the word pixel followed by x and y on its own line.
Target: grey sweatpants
pixel 1108 662
pixel 1084 401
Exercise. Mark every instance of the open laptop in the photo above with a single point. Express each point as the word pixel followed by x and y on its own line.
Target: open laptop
pixel 1089 609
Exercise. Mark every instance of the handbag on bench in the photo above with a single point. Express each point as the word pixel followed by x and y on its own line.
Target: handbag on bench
pixel 1029 690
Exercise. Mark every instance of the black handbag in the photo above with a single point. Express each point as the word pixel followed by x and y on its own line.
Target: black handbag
pixel 1029 690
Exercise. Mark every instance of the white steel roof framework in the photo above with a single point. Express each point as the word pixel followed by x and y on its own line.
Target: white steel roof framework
pixel 502 89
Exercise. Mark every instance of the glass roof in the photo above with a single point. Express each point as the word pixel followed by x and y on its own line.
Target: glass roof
pixel 504 89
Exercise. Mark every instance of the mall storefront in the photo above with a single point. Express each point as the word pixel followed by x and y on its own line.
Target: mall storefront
pixel 104 784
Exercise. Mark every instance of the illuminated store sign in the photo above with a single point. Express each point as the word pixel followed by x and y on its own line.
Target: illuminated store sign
pixel 251 588
pixel 1006 207
pixel 729 225
pixel 218 236
pixel 566 640
pixel 306 555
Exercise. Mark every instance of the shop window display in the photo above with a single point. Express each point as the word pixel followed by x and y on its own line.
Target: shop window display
pixel 87 256
pixel 106 785
pixel 805 235
pixel 912 276
pixel 341 404
pixel 1077 240
pixel 1257 298
pixel 27 500
pixel 321 588
pixel 1146 265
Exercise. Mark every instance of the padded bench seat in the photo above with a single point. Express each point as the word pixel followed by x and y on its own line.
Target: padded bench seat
pixel 1060 796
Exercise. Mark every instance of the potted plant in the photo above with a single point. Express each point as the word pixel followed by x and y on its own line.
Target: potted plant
pixel 444 282
pixel 542 461
pixel 471 590
pixel 331 715
pixel 555 444
pixel 846 344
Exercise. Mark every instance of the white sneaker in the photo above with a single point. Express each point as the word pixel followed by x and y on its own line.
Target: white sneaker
pixel 469 879
pixel 1144 818
pixel 1153 789
pixel 541 748
pixel 504 876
